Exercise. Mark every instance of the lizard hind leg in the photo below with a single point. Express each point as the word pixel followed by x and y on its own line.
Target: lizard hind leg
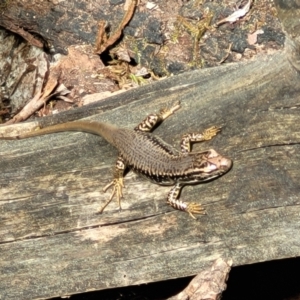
pixel 117 184
pixel 191 208
pixel 155 119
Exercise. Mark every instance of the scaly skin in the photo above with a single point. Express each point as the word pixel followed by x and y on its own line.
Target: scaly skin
pixel 150 156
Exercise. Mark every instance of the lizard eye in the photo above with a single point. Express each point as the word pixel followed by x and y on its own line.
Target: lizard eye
pixel 204 165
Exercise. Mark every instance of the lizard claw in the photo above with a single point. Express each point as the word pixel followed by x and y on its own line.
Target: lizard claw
pixel 117 190
pixel 190 208
pixel 166 112
pixel 195 208
pixel 211 132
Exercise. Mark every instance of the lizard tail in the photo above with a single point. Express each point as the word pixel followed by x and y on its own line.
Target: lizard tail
pixel 103 129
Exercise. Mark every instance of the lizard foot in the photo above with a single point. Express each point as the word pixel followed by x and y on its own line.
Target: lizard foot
pixel 117 190
pixel 194 208
pixel 190 208
pixel 209 133
pixel 167 112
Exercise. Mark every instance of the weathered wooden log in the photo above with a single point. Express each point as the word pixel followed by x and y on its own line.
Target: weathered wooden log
pixel 52 242
pixel 51 186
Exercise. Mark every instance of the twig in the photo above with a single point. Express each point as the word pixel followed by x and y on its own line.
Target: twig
pixel 102 43
pixel 209 284
pixel 9 25
pixel 236 15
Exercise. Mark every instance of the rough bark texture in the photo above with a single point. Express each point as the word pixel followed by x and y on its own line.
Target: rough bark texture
pixel 161 39
pixel 52 242
pixel 207 285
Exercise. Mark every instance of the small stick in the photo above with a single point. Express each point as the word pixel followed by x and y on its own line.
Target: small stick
pixel 116 35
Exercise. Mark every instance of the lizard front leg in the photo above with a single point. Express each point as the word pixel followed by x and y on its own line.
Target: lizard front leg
pixel 191 208
pixel 117 184
pixel 187 139
pixel 155 119
pixel 206 135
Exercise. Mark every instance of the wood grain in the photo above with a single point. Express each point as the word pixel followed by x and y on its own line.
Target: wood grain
pixel 53 243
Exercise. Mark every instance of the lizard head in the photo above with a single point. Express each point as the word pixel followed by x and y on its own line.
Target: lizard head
pixel 210 164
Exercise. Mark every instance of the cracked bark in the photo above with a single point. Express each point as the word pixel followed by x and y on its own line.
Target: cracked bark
pixel 53 243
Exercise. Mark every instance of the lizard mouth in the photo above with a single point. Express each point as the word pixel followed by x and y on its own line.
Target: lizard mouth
pixel 225 163
pixel 218 162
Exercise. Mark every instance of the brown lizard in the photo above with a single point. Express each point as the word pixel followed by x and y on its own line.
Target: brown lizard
pixel 150 156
